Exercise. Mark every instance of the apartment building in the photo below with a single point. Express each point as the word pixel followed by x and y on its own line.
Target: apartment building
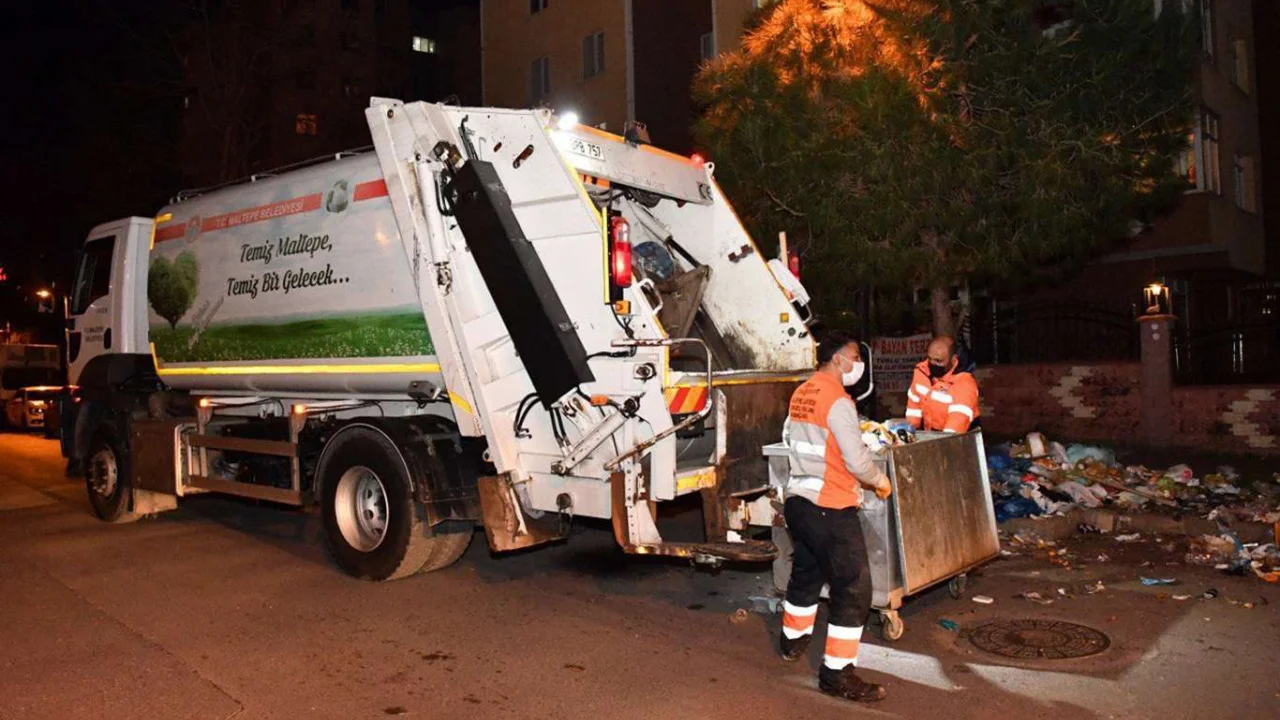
pixel 610 61
pixel 267 84
pixel 730 17
pixel 446 51
pixel 1213 249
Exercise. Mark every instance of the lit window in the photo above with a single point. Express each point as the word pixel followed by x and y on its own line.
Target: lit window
pixel 536 6
pixel 707 46
pixel 592 55
pixel 305 124
pixel 423 44
pixel 539 80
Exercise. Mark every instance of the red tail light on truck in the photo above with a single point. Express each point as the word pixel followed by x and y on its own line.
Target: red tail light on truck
pixel 620 252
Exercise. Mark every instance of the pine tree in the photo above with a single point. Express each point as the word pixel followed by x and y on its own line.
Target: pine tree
pixel 920 143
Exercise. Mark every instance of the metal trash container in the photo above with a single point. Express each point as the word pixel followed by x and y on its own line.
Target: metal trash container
pixel 938 524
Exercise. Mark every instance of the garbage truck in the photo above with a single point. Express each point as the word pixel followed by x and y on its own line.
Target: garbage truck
pixel 489 317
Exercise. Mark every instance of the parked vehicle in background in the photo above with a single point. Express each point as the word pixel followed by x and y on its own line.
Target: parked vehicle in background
pixel 27 366
pixel 53 411
pixel 26 409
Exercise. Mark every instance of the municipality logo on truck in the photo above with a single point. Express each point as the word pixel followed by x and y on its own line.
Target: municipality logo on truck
pixel 317 272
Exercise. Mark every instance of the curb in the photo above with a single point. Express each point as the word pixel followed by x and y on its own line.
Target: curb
pixel 1063 526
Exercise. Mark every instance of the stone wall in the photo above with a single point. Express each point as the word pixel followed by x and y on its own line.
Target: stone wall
pixel 1228 418
pixel 1063 400
pixel 1102 402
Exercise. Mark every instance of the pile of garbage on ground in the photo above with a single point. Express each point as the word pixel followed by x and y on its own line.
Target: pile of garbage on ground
pixel 1038 478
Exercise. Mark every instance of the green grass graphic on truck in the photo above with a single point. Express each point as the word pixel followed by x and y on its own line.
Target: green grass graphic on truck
pixel 352 336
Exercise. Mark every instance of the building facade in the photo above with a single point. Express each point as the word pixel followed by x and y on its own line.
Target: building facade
pixel 269 84
pixel 446 51
pixel 610 61
pixel 1212 250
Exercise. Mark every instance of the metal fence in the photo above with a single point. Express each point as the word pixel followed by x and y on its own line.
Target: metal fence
pixel 1042 331
pixel 1232 355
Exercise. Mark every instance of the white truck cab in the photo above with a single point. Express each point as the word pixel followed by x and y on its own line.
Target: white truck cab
pixel 105 317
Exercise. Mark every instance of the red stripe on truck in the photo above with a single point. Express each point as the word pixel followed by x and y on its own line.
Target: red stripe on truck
pixel 306 203
pixel 170 232
pixel 370 190
pixel 296 206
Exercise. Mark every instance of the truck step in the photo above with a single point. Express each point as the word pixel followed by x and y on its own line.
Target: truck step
pixel 247 490
pixel 746 551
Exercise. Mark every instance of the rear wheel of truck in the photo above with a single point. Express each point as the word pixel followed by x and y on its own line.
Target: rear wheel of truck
pixel 372 525
pixel 107 480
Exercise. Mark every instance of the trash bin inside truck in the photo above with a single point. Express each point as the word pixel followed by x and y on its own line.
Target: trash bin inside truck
pixel 938 524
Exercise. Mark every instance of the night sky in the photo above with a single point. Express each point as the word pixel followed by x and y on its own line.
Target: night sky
pixel 89 127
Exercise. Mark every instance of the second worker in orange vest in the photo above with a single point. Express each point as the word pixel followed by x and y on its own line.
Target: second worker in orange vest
pixel 830 465
pixel 942 397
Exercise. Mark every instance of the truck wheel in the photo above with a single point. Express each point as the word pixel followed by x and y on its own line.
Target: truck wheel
pixel 107 480
pixel 371 524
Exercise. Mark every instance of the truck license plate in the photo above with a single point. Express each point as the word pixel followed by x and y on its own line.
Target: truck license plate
pixel 581 147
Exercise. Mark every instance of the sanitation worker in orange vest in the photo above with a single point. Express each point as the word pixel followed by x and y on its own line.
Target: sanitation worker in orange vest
pixel 830 466
pixel 942 398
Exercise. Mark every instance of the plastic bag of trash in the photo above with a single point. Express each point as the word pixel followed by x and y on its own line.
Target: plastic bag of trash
pixel 1212 550
pixel 1077 452
pixel 1048 506
pixel 998 459
pixel 1058 452
pixel 1128 499
pixel 1180 474
pixel 1006 482
pixel 1037 445
pixel 1080 494
pixel 1017 506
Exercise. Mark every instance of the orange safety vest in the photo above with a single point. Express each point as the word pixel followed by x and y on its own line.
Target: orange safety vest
pixel 949 404
pixel 818 470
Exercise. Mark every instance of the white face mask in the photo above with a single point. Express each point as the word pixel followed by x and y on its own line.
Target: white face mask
pixel 853 374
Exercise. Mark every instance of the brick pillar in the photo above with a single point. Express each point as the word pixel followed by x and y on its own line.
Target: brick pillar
pixel 1155 423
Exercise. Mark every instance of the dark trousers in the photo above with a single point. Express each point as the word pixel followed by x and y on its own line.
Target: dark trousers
pixel 829 549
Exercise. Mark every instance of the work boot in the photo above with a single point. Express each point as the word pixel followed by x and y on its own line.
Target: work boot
pixel 793 650
pixel 847 685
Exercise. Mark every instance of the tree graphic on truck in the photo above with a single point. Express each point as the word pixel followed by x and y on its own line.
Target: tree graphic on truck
pixel 172 286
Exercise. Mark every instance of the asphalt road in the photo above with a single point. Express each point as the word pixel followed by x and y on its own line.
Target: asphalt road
pixel 226 609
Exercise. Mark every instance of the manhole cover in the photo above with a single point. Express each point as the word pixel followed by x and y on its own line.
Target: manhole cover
pixel 1039 639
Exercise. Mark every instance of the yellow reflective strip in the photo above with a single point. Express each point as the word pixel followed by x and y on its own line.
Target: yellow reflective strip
pixel 463 405
pixel 697 481
pixel 744 381
pixel 604 247
pixel 378 368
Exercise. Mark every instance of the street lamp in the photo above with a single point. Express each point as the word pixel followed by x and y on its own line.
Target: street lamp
pixel 43 294
pixel 1156 295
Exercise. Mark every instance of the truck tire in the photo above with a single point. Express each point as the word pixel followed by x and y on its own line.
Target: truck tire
pixel 107 481
pixel 372 526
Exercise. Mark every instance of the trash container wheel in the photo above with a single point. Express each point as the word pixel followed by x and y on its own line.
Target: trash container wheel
pixel 957 586
pixel 891 625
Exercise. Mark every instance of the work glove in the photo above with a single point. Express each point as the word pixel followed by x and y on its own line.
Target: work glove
pixel 885 488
